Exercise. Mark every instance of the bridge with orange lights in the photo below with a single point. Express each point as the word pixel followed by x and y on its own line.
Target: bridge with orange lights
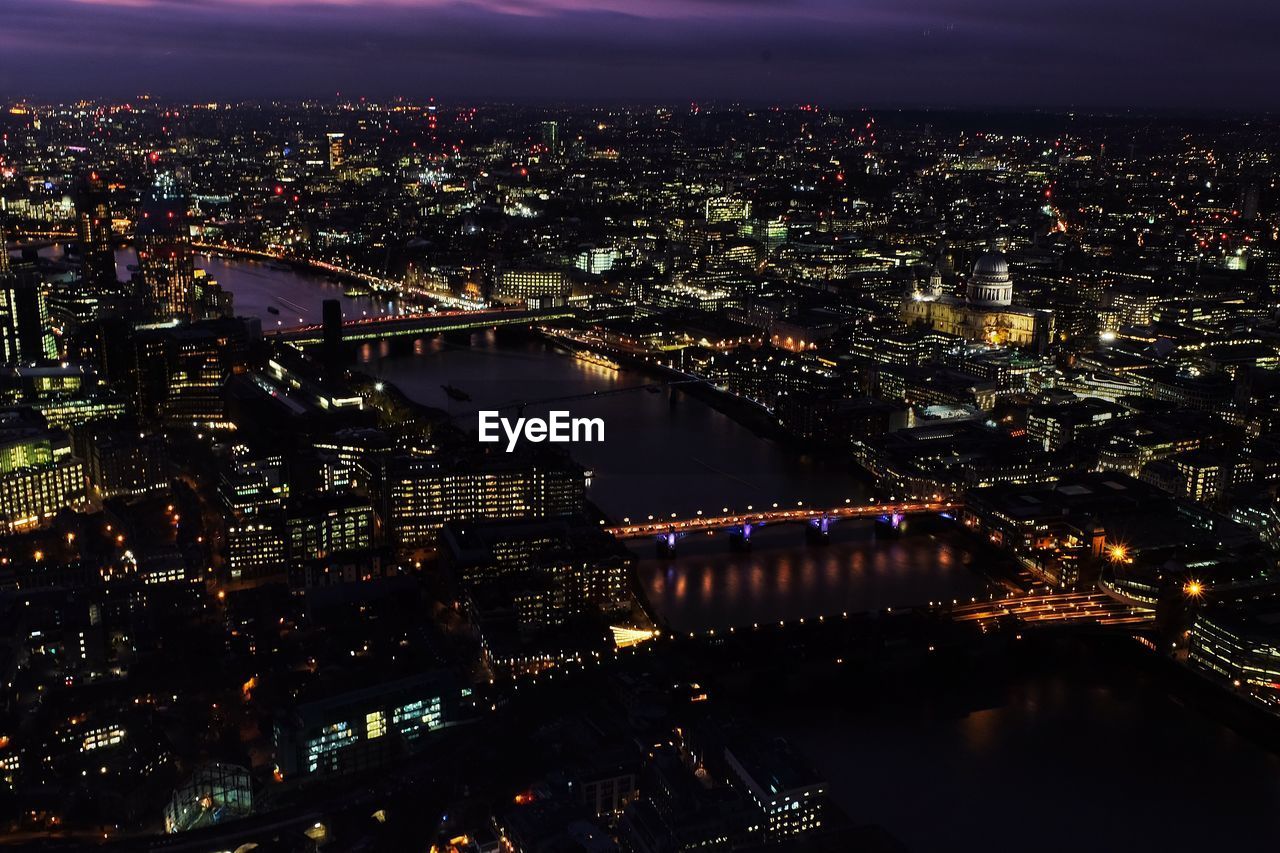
pixel 741 524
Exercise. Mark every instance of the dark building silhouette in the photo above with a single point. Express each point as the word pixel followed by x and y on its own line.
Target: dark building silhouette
pixel 331 318
pixel 93 232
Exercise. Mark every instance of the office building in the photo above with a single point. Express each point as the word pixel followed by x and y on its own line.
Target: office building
pixel 166 259
pixel 421 494
pixel 26 333
pixel 345 732
pixel 788 794
pixel 533 287
pixel 337 149
pixel 39 476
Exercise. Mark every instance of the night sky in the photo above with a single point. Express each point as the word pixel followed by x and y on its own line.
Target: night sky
pixel 961 53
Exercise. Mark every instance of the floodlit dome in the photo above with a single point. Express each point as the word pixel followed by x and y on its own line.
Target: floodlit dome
pixel 991 283
pixel 991 263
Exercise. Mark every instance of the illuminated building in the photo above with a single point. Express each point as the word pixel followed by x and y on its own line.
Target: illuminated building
pixel 543 572
pixel 166 260
pixel 986 313
pixel 337 144
pixel 253 492
pixel 529 285
pixel 96 243
pixel 26 334
pixel 253 486
pixel 421 494
pixel 359 729
pixel 727 209
pixel 181 370
pixel 38 475
pixel 1239 643
pixel 126 462
pixel 347 455
pixel 789 796
pixel 1054 527
pixel 329 524
pixel 597 259
pixel 551 137
pixel 212 302
pixel 256 548
pixel 1062 424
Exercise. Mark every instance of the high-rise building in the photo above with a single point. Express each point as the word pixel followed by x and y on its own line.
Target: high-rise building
pixel 26 334
pixel 551 136
pixel 124 461
pixel 179 373
pixel 337 149
pixel 166 260
pixel 212 302
pixel 594 260
pixel 93 232
pixel 727 209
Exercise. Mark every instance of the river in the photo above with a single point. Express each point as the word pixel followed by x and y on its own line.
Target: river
pixel 1073 749
pixel 662 453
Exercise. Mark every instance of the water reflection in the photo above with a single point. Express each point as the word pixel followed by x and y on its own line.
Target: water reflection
pixel 1111 747
pixel 708 586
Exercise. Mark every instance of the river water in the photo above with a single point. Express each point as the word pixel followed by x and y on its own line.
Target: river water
pixel 1064 756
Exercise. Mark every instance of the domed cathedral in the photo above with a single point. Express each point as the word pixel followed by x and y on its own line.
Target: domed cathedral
pixel 990 283
pixel 986 313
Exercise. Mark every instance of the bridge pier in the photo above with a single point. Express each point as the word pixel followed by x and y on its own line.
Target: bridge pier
pixel 740 537
pixel 818 530
pixel 666 543
pixel 890 525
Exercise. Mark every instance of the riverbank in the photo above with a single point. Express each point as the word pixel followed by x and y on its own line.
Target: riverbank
pixel 750 414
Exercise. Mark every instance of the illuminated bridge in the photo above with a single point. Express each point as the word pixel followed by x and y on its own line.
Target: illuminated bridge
pixel 413 325
pixel 741 524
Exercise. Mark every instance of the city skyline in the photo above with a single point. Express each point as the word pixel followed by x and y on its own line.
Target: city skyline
pixel 931 53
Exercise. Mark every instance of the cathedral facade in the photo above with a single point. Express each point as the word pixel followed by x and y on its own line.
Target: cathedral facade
pixel 986 313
